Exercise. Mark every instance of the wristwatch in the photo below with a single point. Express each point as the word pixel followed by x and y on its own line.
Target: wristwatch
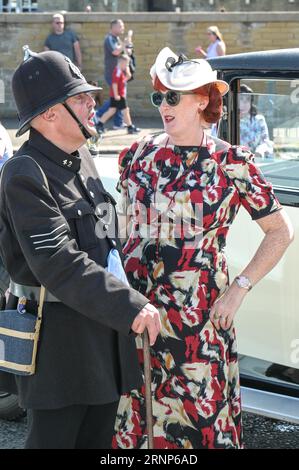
pixel 243 282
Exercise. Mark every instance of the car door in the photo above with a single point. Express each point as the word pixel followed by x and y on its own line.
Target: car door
pixel 268 320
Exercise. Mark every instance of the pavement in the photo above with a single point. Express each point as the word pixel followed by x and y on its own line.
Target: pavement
pixel 259 433
pixel 113 140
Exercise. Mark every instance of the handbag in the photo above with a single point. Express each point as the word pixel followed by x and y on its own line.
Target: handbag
pixel 19 332
pixel 19 335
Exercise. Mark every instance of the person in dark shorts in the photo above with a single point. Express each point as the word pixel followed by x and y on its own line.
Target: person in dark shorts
pixel 113 48
pixel 118 92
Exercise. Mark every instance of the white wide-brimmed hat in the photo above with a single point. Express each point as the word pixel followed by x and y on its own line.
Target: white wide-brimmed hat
pixel 182 74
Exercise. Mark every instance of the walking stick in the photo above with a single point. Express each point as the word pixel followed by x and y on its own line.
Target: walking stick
pixel 148 389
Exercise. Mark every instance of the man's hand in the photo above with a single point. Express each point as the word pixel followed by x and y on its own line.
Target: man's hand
pixel 117 98
pixel 149 318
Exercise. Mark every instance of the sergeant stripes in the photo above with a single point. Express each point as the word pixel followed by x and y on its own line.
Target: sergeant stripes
pixel 44 238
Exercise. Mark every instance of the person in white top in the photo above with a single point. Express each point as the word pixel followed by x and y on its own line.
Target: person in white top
pixel 6 149
pixel 217 45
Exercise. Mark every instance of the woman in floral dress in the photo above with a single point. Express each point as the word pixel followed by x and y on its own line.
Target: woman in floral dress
pixel 185 175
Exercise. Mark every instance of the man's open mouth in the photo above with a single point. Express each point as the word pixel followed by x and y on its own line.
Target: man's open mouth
pixel 90 119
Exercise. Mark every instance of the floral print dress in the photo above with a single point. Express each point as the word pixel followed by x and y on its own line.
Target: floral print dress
pixel 195 375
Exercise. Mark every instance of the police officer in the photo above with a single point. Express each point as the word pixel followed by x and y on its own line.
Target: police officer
pixel 60 237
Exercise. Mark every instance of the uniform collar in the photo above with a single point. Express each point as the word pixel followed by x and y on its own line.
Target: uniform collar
pixel 69 161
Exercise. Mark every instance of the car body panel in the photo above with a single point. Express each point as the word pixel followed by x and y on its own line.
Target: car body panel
pixel 268 321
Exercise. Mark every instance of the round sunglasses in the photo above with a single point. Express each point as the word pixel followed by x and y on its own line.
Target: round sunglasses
pixel 172 97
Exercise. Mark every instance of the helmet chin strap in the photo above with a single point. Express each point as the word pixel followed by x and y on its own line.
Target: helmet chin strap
pixel 83 129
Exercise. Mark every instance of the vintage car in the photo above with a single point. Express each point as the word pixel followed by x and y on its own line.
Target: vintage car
pixel 266 84
pixel 268 321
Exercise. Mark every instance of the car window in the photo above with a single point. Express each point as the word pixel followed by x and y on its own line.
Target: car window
pixel 268 121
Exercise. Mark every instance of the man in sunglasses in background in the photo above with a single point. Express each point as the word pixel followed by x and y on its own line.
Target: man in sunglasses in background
pixel 64 41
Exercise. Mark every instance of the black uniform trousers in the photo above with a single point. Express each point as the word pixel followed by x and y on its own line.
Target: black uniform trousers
pixel 73 427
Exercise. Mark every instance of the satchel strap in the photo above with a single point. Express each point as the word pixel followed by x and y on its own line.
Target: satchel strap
pixel 41 302
pixel 42 288
pixel 40 169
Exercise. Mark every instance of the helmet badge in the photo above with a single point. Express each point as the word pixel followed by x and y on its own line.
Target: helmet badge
pixel 74 69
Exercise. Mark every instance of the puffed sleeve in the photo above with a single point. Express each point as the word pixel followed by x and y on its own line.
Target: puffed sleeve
pixel 256 194
pixel 124 163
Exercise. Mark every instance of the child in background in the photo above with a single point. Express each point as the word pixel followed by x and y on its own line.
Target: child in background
pixel 118 93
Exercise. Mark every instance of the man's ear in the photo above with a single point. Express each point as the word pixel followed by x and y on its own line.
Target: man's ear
pixel 50 114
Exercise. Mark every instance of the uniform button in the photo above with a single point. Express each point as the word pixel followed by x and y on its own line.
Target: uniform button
pixel 113 243
pixel 79 212
pixel 91 193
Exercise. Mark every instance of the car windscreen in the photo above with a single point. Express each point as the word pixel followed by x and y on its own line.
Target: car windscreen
pixel 268 121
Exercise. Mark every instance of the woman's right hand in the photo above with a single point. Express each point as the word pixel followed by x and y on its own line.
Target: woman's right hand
pixel 148 317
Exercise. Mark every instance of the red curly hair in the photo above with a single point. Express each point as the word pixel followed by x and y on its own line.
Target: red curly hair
pixel 213 111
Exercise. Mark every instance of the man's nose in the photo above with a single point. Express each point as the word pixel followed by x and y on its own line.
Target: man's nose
pixel 90 102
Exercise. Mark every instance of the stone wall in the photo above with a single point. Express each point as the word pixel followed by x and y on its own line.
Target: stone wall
pixel 183 32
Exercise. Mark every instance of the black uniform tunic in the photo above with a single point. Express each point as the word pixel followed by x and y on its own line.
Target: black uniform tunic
pixel 61 238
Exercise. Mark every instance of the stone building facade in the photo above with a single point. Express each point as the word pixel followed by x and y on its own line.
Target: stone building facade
pixel 170 5
pixel 161 5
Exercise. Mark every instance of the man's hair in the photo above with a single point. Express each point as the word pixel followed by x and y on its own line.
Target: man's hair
pixel 114 22
pixel 57 15
pixel 212 113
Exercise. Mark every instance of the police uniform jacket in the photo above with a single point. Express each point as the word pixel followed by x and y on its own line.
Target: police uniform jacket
pixel 60 237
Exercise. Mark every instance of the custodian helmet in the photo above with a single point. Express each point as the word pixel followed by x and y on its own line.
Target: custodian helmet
pixel 43 80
